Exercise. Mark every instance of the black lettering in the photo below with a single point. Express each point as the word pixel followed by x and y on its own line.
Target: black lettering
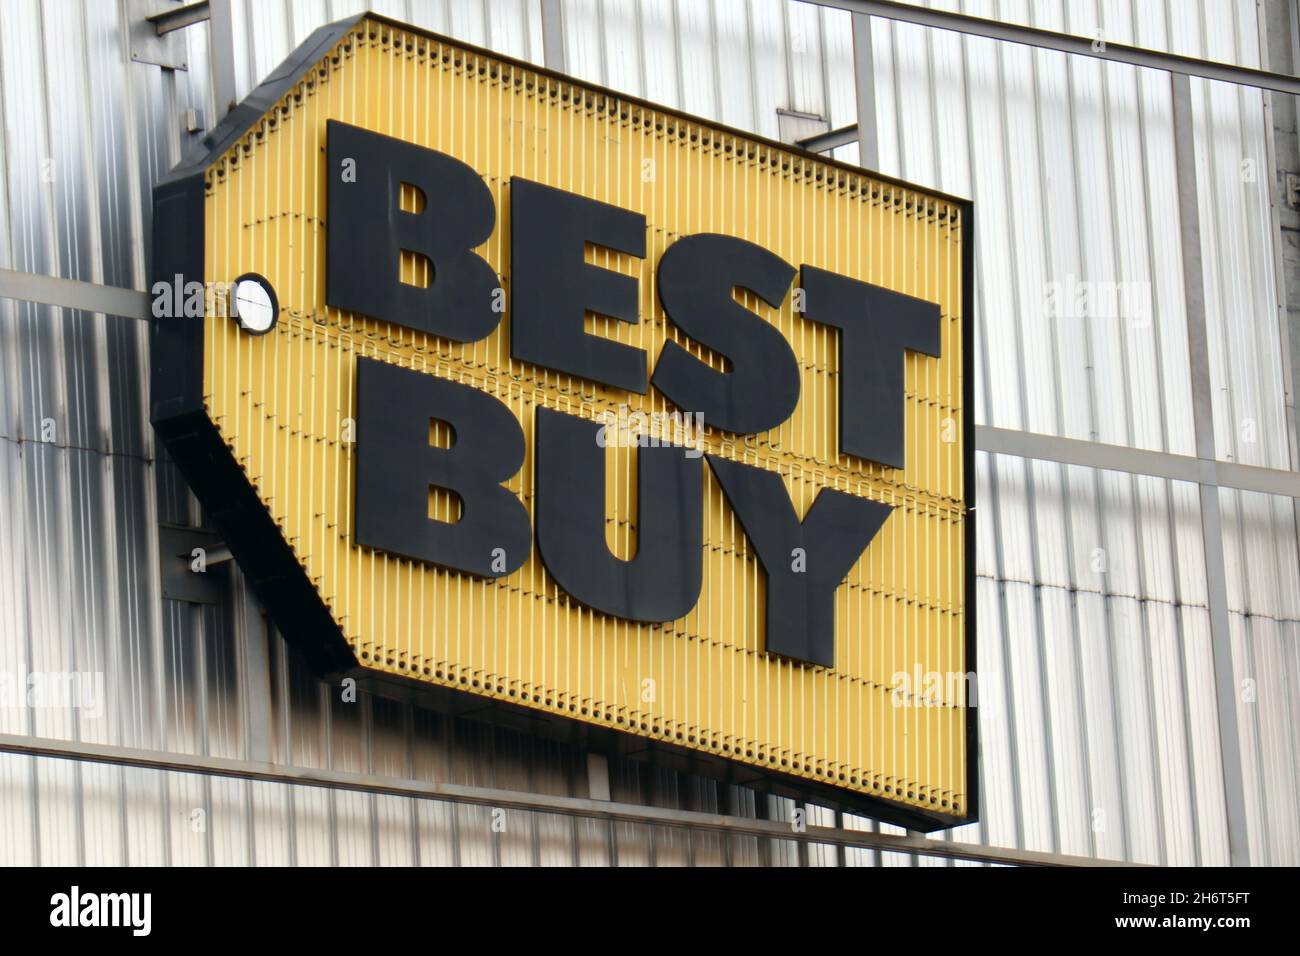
pixel 396 467
pixel 697 276
pixel 368 230
pixel 876 325
pixel 834 533
pixel 552 287
pixel 662 583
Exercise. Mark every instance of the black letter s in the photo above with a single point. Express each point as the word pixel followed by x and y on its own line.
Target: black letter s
pixel 696 278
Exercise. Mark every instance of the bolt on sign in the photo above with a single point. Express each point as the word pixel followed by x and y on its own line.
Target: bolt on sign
pixel 571 408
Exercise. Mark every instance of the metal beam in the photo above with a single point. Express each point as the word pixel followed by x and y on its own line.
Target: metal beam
pixel 1097 47
pixel 177 18
pixel 221 58
pixel 1279 39
pixel 1268 481
pixel 527 801
pixel 1279 43
pixel 1137 461
pixel 553 36
pixel 864 73
pixel 831 139
pixel 248 625
pixel 72 294
pixel 1198 354
pixel 598 776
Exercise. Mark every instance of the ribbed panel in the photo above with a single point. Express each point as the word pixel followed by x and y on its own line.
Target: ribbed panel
pixel 281 402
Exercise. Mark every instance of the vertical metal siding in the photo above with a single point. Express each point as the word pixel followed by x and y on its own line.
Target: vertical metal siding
pixel 734 61
pixel 1094 634
pixel 266 33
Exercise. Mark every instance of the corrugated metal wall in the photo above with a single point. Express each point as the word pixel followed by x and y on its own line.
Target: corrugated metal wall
pixel 1097 706
pixel 1093 607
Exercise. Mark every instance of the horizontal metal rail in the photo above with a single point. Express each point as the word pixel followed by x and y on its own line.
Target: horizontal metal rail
pixel 1099 47
pixel 832 139
pixel 72 294
pixel 177 18
pixel 1137 461
pixel 532 802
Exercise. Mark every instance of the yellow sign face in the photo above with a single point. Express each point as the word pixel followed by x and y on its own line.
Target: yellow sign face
pixel 273 438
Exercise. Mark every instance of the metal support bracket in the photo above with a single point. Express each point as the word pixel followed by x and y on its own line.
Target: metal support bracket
pixel 149 43
pixel 180 551
pixel 795 127
pixel 177 18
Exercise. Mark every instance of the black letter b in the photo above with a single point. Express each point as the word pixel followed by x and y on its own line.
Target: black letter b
pixel 368 231
pixel 397 465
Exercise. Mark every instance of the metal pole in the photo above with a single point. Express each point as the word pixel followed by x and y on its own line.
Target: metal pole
pixel 864 72
pixel 1198 354
pixel 1097 47
pixel 553 36
pixel 221 53
pixel 527 801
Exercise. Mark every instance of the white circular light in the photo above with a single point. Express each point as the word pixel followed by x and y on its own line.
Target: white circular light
pixel 253 304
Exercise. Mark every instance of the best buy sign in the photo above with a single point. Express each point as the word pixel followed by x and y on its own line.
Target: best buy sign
pixel 447 274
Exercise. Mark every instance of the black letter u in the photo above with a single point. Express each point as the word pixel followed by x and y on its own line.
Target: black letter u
pixel 662 583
